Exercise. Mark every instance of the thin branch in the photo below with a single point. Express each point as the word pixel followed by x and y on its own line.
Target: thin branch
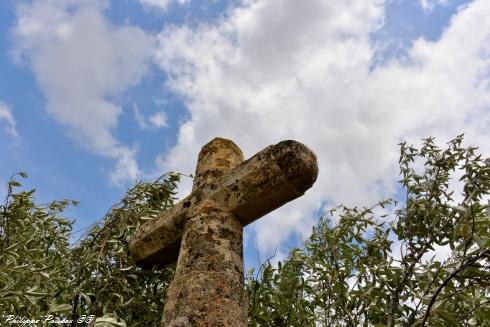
pixel 473 310
pixel 446 280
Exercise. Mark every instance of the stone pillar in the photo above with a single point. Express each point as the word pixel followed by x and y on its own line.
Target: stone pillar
pixel 208 287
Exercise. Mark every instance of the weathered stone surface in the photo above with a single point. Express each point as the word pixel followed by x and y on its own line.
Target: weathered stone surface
pixel 204 231
pixel 214 160
pixel 276 175
pixel 208 287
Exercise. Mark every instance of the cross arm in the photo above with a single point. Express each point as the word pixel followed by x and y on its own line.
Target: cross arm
pixel 274 176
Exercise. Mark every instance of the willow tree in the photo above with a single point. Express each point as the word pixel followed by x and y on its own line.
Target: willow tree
pixel 92 280
pixel 380 266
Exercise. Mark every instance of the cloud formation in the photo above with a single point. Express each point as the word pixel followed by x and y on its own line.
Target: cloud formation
pixel 281 69
pixel 7 118
pixel 429 5
pixel 157 120
pixel 82 63
pixel 162 4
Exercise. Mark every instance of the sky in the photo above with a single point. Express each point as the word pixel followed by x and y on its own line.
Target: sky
pixel 97 94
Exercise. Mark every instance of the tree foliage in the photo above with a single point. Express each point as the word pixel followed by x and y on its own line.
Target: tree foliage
pixel 378 266
pixel 43 274
pixel 372 266
pixel 34 242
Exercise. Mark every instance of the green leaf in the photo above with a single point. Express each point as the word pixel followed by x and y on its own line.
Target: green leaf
pixel 60 307
pixel 14 183
pixel 109 322
pixel 126 268
pixel 479 241
pixel 449 317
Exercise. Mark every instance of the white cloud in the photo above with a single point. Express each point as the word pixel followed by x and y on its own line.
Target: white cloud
pixel 138 116
pixel 81 63
pixel 429 5
pixel 157 120
pixel 283 69
pixel 162 4
pixel 9 120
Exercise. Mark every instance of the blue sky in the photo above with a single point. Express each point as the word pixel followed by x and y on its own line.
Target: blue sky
pixel 97 94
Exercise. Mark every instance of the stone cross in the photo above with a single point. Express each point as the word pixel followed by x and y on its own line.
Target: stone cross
pixel 203 232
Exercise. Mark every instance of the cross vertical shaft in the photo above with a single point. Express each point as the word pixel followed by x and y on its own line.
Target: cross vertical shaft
pixel 207 289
